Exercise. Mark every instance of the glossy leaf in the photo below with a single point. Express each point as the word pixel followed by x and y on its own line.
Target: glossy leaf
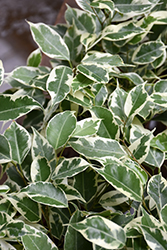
pixel 4 219
pixel 56 224
pixel 122 178
pixel 100 91
pixel 20 142
pixel 5 150
pixel 164 214
pixel 1 72
pixel 80 98
pixel 46 193
pixel 160 141
pixel 40 169
pixel 4 188
pixel 38 241
pixel 28 208
pixel 101 231
pixel 155 157
pixel 5 245
pixel 159 99
pixel 16 106
pixel 34 59
pixel 60 128
pixel 80 81
pixel 69 168
pixel 104 4
pixel 160 86
pixel 97 147
pixel 49 41
pixel 58 83
pixel 71 193
pixel 85 5
pixel 86 127
pixel 112 198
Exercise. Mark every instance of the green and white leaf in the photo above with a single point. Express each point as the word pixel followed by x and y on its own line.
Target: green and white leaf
pixel 60 128
pixel 94 72
pixel 7 207
pixel 20 141
pixel 133 77
pixel 49 41
pixel 13 106
pixel 159 99
pixel 137 130
pixel 58 83
pixel 4 219
pixel 148 52
pixel 28 208
pixel 86 127
pixel 40 169
pixel 80 98
pixel 69 168
pixel 101 93
pixel 5 150
pixel 112 198
pixel 160 60
pixel 108 126
pixel 79 82
pixel 4 188
pixel 160 141
pixel 164 214
pixel 97 147
pixel 5 245
pixel 155 157
pixel 38 241
pixel 46 193
pixel 103 4
pixel 101 231
pixel 1 72
pixel 71 193
pixel 34 59
pixel 56 224
pixel 122 178
pixel 160 86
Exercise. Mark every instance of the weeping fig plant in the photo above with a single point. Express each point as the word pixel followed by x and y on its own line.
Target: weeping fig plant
pixel 86 168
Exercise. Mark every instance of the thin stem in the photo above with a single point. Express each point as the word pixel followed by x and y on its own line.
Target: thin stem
pixel 70 64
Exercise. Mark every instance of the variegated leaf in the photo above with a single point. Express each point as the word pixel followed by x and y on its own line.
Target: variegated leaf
pixel 19 140
pixel 73 239
pixel 133 77
pixel 137 130
pixel 104 4
pixel 40 169
pixel 140 148
pixel 56 224
pixel 59 82
pixel 13 106
pixel 159 99
pixel 34 59
pixel 69 168
pixel 79 82
pixel 122 177
pixel 160 141
pixel 5 245
pixel 112 198
pixel 101 231
pixel 71 193
pixel 41 147
pixel 161 17
pixel 121 31
pixel 49 41
pixel 157 189
pixel 38 241
pixel 46 193
pixel 160 60
pixel 28 208
pixel 60 128
pixel 155 157
pixel 97 147
pixel 86 127
pixel 108 126
pixel 80 98
pixel 4 219
pixel 164 214
pixel 1 72
pixel 94 72
pixel 101 93
pixel 5 150
pixel 4 188
pixel 160 86
pixel 148 52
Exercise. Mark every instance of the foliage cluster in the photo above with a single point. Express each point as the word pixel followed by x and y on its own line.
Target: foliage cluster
pixel 85 169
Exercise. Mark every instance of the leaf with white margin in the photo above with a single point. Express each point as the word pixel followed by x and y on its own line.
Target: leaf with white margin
pixel 7 207
pixel 73 239
pixel 38 241
pixel 122 177
pixel 60 128
pixel 160 86
pixel 101 93
pixel 4 219
pixel 69 168
pixel 41 147
pixel 40 169
pixel 133 77
pixel 103 4
pixel 4 188
pixel 121 31
pixel 137 130
pixel 160 60
pixel 34 59
pixel 112 198
pixel 49 41
pixel 56 224
pixel 116 104
pixel 79 82
pixel 71 193
pixel 19 140
pixel 85 5
pixel 148 52
pixel 157 189
pixel 159 99
pixel 89 40
pixel 164 214
pixel 155 157
pixel 13 107
pixel 5 245
pixel 94 72
pixel 46 193
pixel 1 72
pixel 101 231
pixel 161 17
pixel 97 147
pixel 5 150
pixel 82 20
pixel 28 208
pixel 80 98
pixel 135 100
pixel 140 148
pixel 108 126
pixel 160 141
pixel 59 82
pixel 155 237
pixel 86 127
